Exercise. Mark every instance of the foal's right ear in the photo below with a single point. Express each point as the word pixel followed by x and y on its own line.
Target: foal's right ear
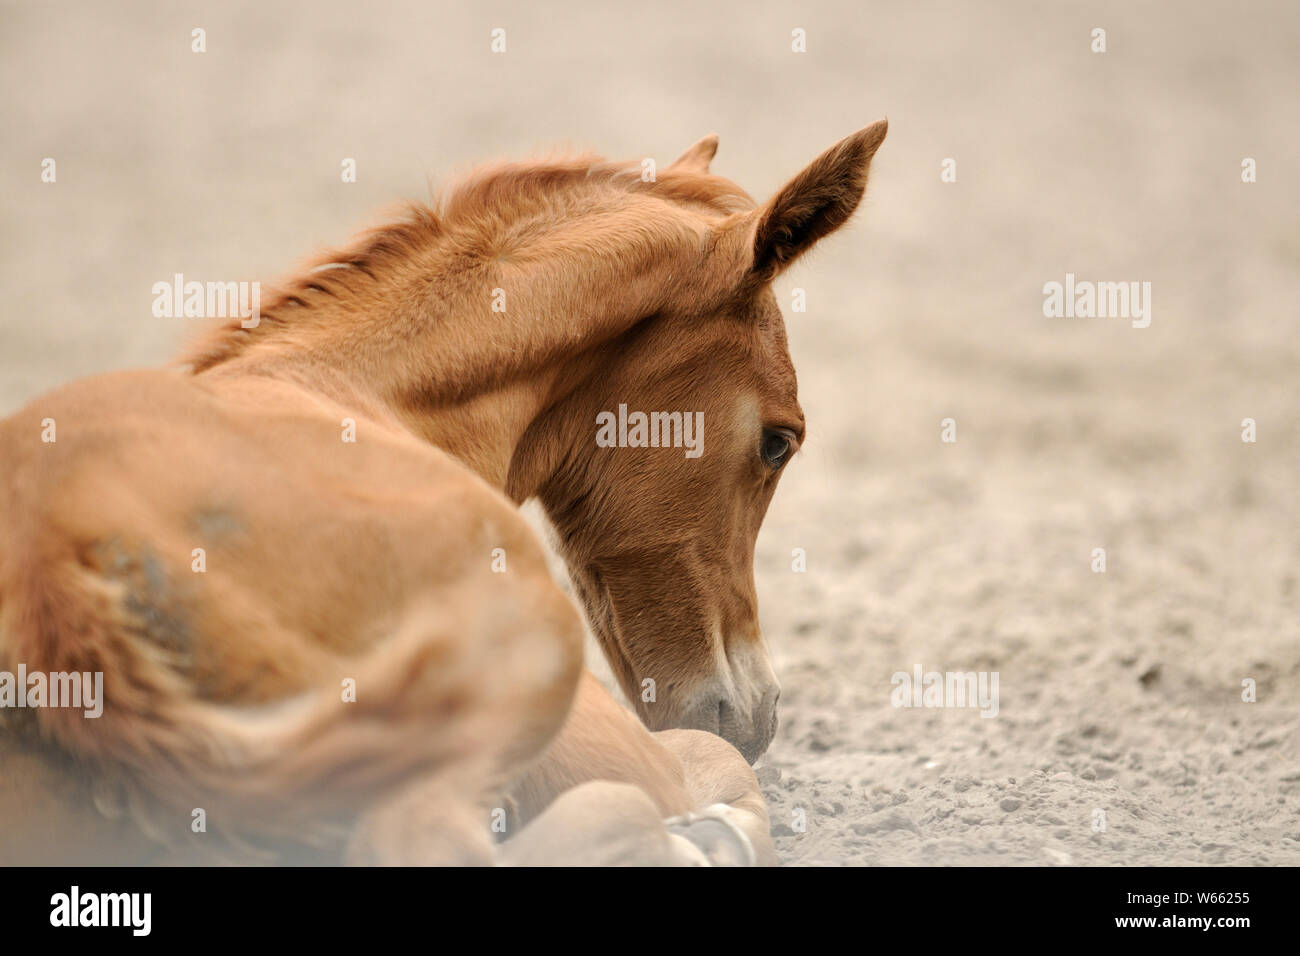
pixel 816 202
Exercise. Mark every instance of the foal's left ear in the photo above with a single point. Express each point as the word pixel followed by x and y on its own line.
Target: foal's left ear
pixel 697 158
pixel 816 202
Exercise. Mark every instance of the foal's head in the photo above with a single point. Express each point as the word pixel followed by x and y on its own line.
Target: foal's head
pixel 680 429
pixel 608 342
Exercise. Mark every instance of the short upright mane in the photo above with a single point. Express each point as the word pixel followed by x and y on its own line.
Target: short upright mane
pixel 474 212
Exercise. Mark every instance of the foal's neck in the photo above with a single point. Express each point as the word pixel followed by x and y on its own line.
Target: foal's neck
pixel 462 332
pixel 482 428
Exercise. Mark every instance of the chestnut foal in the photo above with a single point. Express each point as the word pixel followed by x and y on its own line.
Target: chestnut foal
pixel 323 625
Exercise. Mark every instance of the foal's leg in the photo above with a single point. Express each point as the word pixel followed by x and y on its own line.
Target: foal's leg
pixel 601 740
pixel 700 789
pixel 722 787
pixel 437 820
pixel 600 823
pixel 512 698
pixel 470 684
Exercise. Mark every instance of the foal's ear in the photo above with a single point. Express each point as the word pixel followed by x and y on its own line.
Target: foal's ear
pixel 697 158
pixel 816 202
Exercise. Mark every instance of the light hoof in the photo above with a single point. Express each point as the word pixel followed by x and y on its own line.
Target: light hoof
pixel 712 830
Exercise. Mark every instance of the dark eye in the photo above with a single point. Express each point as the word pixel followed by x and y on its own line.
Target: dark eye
pixel 775 450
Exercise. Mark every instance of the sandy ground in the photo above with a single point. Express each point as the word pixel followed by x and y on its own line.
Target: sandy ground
pixel 1119 692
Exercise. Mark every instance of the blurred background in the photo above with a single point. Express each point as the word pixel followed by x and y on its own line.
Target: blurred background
pixel 1119 691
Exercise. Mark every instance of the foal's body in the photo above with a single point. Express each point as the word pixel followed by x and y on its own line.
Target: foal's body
pixel 323 564
pixel 319 503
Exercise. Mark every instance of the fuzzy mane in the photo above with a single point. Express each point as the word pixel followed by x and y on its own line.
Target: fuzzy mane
pixel 473 214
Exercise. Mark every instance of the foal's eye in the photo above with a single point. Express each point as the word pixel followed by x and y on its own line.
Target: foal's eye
pixel 775 450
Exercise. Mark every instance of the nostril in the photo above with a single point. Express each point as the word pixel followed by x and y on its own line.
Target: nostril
pixel 750 729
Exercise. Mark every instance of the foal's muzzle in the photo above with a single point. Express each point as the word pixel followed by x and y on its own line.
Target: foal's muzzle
pixel 749 726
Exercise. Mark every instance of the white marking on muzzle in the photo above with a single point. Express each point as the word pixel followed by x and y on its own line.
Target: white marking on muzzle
pixel 743 674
